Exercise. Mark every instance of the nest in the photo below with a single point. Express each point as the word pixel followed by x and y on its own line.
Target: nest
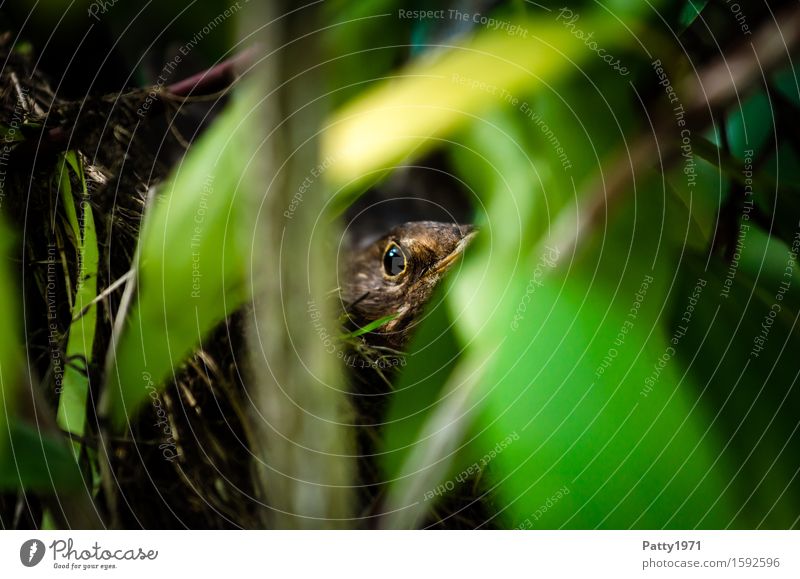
pixel 185 460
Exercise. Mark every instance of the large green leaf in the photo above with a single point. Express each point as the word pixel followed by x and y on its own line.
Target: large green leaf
pixel 29 458
pixel 36 461
pixel 191 269
pixel 71 414
pixel 433 97
pixel 741 354
pixel 605 417
pixel 524 159
pixel 494 161
pixel 430 360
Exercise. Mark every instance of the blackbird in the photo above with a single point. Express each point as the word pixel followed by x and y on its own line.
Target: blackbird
pixel 396 275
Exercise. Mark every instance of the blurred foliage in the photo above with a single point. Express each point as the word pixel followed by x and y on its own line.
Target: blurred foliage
pixel 10 353
pixel 30 458
pixel 191 263
pixel 436 96
pixel 38 461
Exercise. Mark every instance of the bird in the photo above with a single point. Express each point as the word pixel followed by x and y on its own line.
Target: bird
pixel 397 274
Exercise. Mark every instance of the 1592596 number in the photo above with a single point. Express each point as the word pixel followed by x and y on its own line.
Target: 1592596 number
pixel 757 562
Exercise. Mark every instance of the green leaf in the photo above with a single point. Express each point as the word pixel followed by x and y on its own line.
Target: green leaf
pixel 71 415
pixel 368 328
pixel 751 125
pixel 360 29
pixel 494 161
pixel 10 352
pixel 192 260
pixel 430 359
pixel 434 97
pixel 512 157
pixel 589 385
pixel 766 261
pixel 786 82
pixel 691 10
pixel 35 461
pixel 709 190
pixel 741 354
pixel 781 205
pixel 10 135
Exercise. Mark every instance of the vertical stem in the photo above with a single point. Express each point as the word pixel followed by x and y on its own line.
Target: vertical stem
pixel 299 404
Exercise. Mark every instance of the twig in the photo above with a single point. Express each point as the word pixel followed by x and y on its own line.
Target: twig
pixel 106 471
pixel 205 85
pixel 105 293
pixel 714 86
pixel 217 78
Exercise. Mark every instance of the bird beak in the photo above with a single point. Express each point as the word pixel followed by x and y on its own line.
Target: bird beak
pixel 446 262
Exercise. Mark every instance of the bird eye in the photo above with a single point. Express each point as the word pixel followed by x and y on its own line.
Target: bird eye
pixel 394 260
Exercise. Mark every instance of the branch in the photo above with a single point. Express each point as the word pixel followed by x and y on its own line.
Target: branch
pixel 714 86
pixel 219 77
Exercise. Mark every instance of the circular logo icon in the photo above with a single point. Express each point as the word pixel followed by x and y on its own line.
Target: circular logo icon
pixel 31 553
